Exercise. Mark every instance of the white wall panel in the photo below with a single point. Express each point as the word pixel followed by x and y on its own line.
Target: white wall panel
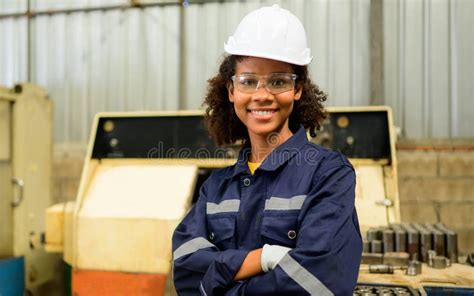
pixel 12 6
pixel 412 51
pixel 463 23
pixel 13 51
pixel 437 61
pixel 132 59
pixel 119 60
pixel 207 27
pixel 429 65
pixel 72 4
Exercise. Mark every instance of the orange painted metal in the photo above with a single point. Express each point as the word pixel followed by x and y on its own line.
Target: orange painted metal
pixel 95 283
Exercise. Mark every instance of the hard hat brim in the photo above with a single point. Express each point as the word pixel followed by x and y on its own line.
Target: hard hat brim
pixel 306 61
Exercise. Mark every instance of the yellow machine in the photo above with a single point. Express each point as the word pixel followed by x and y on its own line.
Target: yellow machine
pixel 138 181
pixel 143 170
pixel 25 183
pixel 366 136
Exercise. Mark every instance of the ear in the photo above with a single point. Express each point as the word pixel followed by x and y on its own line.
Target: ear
pixel 230 92
pixel 298 91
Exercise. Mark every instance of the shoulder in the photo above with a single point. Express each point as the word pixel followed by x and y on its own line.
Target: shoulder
pixel 218 176
pixel 324 158
pixel 222 173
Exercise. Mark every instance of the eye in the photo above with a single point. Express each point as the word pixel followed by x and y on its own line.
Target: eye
pixel 248 81
pixel 278 83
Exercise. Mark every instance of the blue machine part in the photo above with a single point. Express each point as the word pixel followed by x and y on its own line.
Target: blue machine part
pixel 12 276
pixel 447 291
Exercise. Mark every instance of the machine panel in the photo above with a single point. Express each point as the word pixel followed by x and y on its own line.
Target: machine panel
pixel 154 137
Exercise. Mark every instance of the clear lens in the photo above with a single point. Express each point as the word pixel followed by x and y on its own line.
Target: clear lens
pixel 274 83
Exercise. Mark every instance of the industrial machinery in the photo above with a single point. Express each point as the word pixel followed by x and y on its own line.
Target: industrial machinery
pixel 365 135
pixel 143 170
pixel 25 188
pixel 399 258
pixel 138 181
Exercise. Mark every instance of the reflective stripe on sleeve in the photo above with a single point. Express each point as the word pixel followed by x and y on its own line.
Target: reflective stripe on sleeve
pixel 225 206
pixel 201 288
pixel 191 246
pixel 303 277
pixel 279 203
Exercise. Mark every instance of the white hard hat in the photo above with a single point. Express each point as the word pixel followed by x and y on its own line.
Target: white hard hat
pixel 272 33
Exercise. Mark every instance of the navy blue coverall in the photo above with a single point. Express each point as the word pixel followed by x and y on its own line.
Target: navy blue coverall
pixel 301 197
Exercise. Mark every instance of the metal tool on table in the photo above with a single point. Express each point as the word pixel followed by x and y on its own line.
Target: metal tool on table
pixel 425 241
pixel 400 238
pixel 383 289
pixel 451 242
pixel 438 240
pixel 413 241
pixel 388 238
pixel 396 258
pixel 414 268
pixel 383 268
pixel 438 262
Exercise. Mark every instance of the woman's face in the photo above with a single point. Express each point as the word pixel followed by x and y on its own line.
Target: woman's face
pixel 262 112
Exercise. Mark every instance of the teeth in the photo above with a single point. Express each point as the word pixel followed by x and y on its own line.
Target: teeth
pixel 262 112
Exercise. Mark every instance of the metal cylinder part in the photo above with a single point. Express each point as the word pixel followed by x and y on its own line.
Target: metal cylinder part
pixel 371 234
pixel 413 245
pixel 381 268
pixel 425 241
pixel 371 258
pixel 400 241
pixel 366 246
pixel 431 255
pixel 440 262
pixel 396 258
pixel 414 268
pixel 451 242
pixel 400 238
pixel 438 240
pixel 413 241
pixel 388 239
pixel 376 246
pixel 452 246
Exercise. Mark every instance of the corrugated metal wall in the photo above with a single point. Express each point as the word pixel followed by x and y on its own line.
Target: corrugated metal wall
pixel 429 66
pixel 159 58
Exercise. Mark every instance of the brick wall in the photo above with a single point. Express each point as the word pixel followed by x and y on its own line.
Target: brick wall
pixel 436 182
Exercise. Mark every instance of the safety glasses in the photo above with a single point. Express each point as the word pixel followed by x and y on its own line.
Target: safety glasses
pixel 274 83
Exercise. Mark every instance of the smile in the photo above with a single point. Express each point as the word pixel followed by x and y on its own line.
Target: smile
pixel 263 112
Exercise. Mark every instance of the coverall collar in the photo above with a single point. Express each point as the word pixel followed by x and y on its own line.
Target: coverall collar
pixel 276 158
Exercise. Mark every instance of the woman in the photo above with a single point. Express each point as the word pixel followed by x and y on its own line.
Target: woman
pixel 281 221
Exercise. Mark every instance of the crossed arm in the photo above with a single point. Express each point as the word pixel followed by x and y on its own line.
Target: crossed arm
pixel 200 264
pixel 251 266
pixel 260 260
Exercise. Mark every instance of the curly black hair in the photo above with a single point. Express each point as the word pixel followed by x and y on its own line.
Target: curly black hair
pixel 226 128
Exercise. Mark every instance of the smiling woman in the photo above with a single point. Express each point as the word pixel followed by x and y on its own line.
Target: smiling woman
pixel 224 125
pixel 281 221
pixel 262 110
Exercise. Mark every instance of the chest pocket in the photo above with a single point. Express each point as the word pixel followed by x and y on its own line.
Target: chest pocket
pixel 280 229
pixel 221 222
pixel 280 220
pixel 222 231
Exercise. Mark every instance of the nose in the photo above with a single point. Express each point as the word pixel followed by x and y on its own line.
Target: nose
pixel 262 92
